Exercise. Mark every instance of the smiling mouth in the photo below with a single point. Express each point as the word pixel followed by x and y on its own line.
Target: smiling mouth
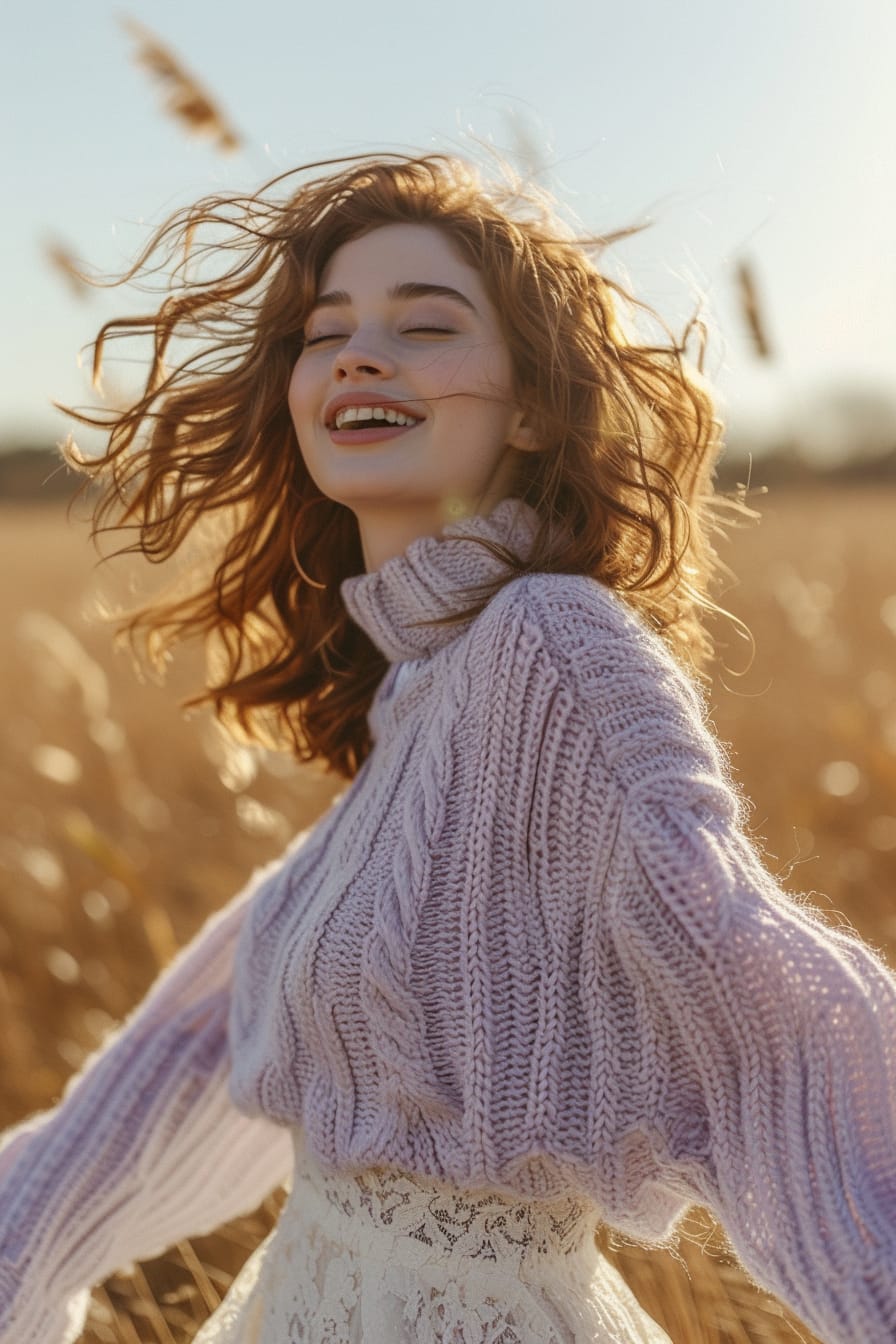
pixel 371 417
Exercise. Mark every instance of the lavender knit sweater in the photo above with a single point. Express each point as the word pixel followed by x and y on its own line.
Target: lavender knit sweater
pixel 529 947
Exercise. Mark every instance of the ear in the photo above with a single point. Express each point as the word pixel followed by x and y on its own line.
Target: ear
pixel 522 435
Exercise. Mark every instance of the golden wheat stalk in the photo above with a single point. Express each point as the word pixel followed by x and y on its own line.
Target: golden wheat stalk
pixel 751 309
pixel 186 99
pixel 66 263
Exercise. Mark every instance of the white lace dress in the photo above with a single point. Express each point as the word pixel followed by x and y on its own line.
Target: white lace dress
pixel 386 1257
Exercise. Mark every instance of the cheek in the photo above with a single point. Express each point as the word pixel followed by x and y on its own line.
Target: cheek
pixel 299 399
pixel 496 385
pixel 299 394
pixel 482 370
pixel 495 369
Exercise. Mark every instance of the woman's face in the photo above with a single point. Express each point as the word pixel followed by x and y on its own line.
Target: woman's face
pixel 403 399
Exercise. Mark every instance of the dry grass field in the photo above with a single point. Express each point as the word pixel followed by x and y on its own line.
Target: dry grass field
pixel 124 825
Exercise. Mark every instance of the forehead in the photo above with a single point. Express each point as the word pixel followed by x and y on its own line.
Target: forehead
pixel 394 253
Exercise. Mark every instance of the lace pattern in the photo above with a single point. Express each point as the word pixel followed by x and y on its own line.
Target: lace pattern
pixel 389 1257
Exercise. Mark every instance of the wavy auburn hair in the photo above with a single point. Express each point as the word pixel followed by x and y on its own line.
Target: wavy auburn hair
pixel 626 432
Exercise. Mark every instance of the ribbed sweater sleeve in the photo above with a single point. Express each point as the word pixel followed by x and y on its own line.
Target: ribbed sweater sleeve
pixel 766 1035
pixel 144 1149
pixel 788 1029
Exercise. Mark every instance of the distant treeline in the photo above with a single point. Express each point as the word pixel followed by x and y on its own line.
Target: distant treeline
pixel 38 473
pixel 787 465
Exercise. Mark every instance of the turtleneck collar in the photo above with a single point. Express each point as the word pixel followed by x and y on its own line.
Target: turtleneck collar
pixel 428 581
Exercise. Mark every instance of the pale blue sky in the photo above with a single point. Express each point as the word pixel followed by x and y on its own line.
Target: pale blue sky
pixel 761 129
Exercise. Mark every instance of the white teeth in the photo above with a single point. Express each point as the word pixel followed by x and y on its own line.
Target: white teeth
pixel 349 414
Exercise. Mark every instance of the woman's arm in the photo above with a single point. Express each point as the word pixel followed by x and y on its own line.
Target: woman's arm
pixel 743 1050
pixel 144 1149
pixel 778 1036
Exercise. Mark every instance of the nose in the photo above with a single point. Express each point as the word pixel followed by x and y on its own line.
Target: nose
pixel 363 356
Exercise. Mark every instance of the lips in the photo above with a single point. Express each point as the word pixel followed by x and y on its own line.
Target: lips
pixel 371 400
pixel 367 417
pixel 375 433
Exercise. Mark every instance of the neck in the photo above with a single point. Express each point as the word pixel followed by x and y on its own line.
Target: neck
pixel 387 530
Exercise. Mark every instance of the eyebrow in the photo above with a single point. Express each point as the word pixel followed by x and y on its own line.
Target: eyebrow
pixel 410 289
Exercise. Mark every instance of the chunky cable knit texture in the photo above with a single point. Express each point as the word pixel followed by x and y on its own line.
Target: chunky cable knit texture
pixel 529 948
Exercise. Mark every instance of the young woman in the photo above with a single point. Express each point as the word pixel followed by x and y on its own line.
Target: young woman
pixel 527 974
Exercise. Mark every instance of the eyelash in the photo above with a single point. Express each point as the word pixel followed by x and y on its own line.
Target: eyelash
pixel 337 336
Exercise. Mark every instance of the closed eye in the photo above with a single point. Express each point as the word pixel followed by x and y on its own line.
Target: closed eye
pixel 408 331
pixel 318 340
